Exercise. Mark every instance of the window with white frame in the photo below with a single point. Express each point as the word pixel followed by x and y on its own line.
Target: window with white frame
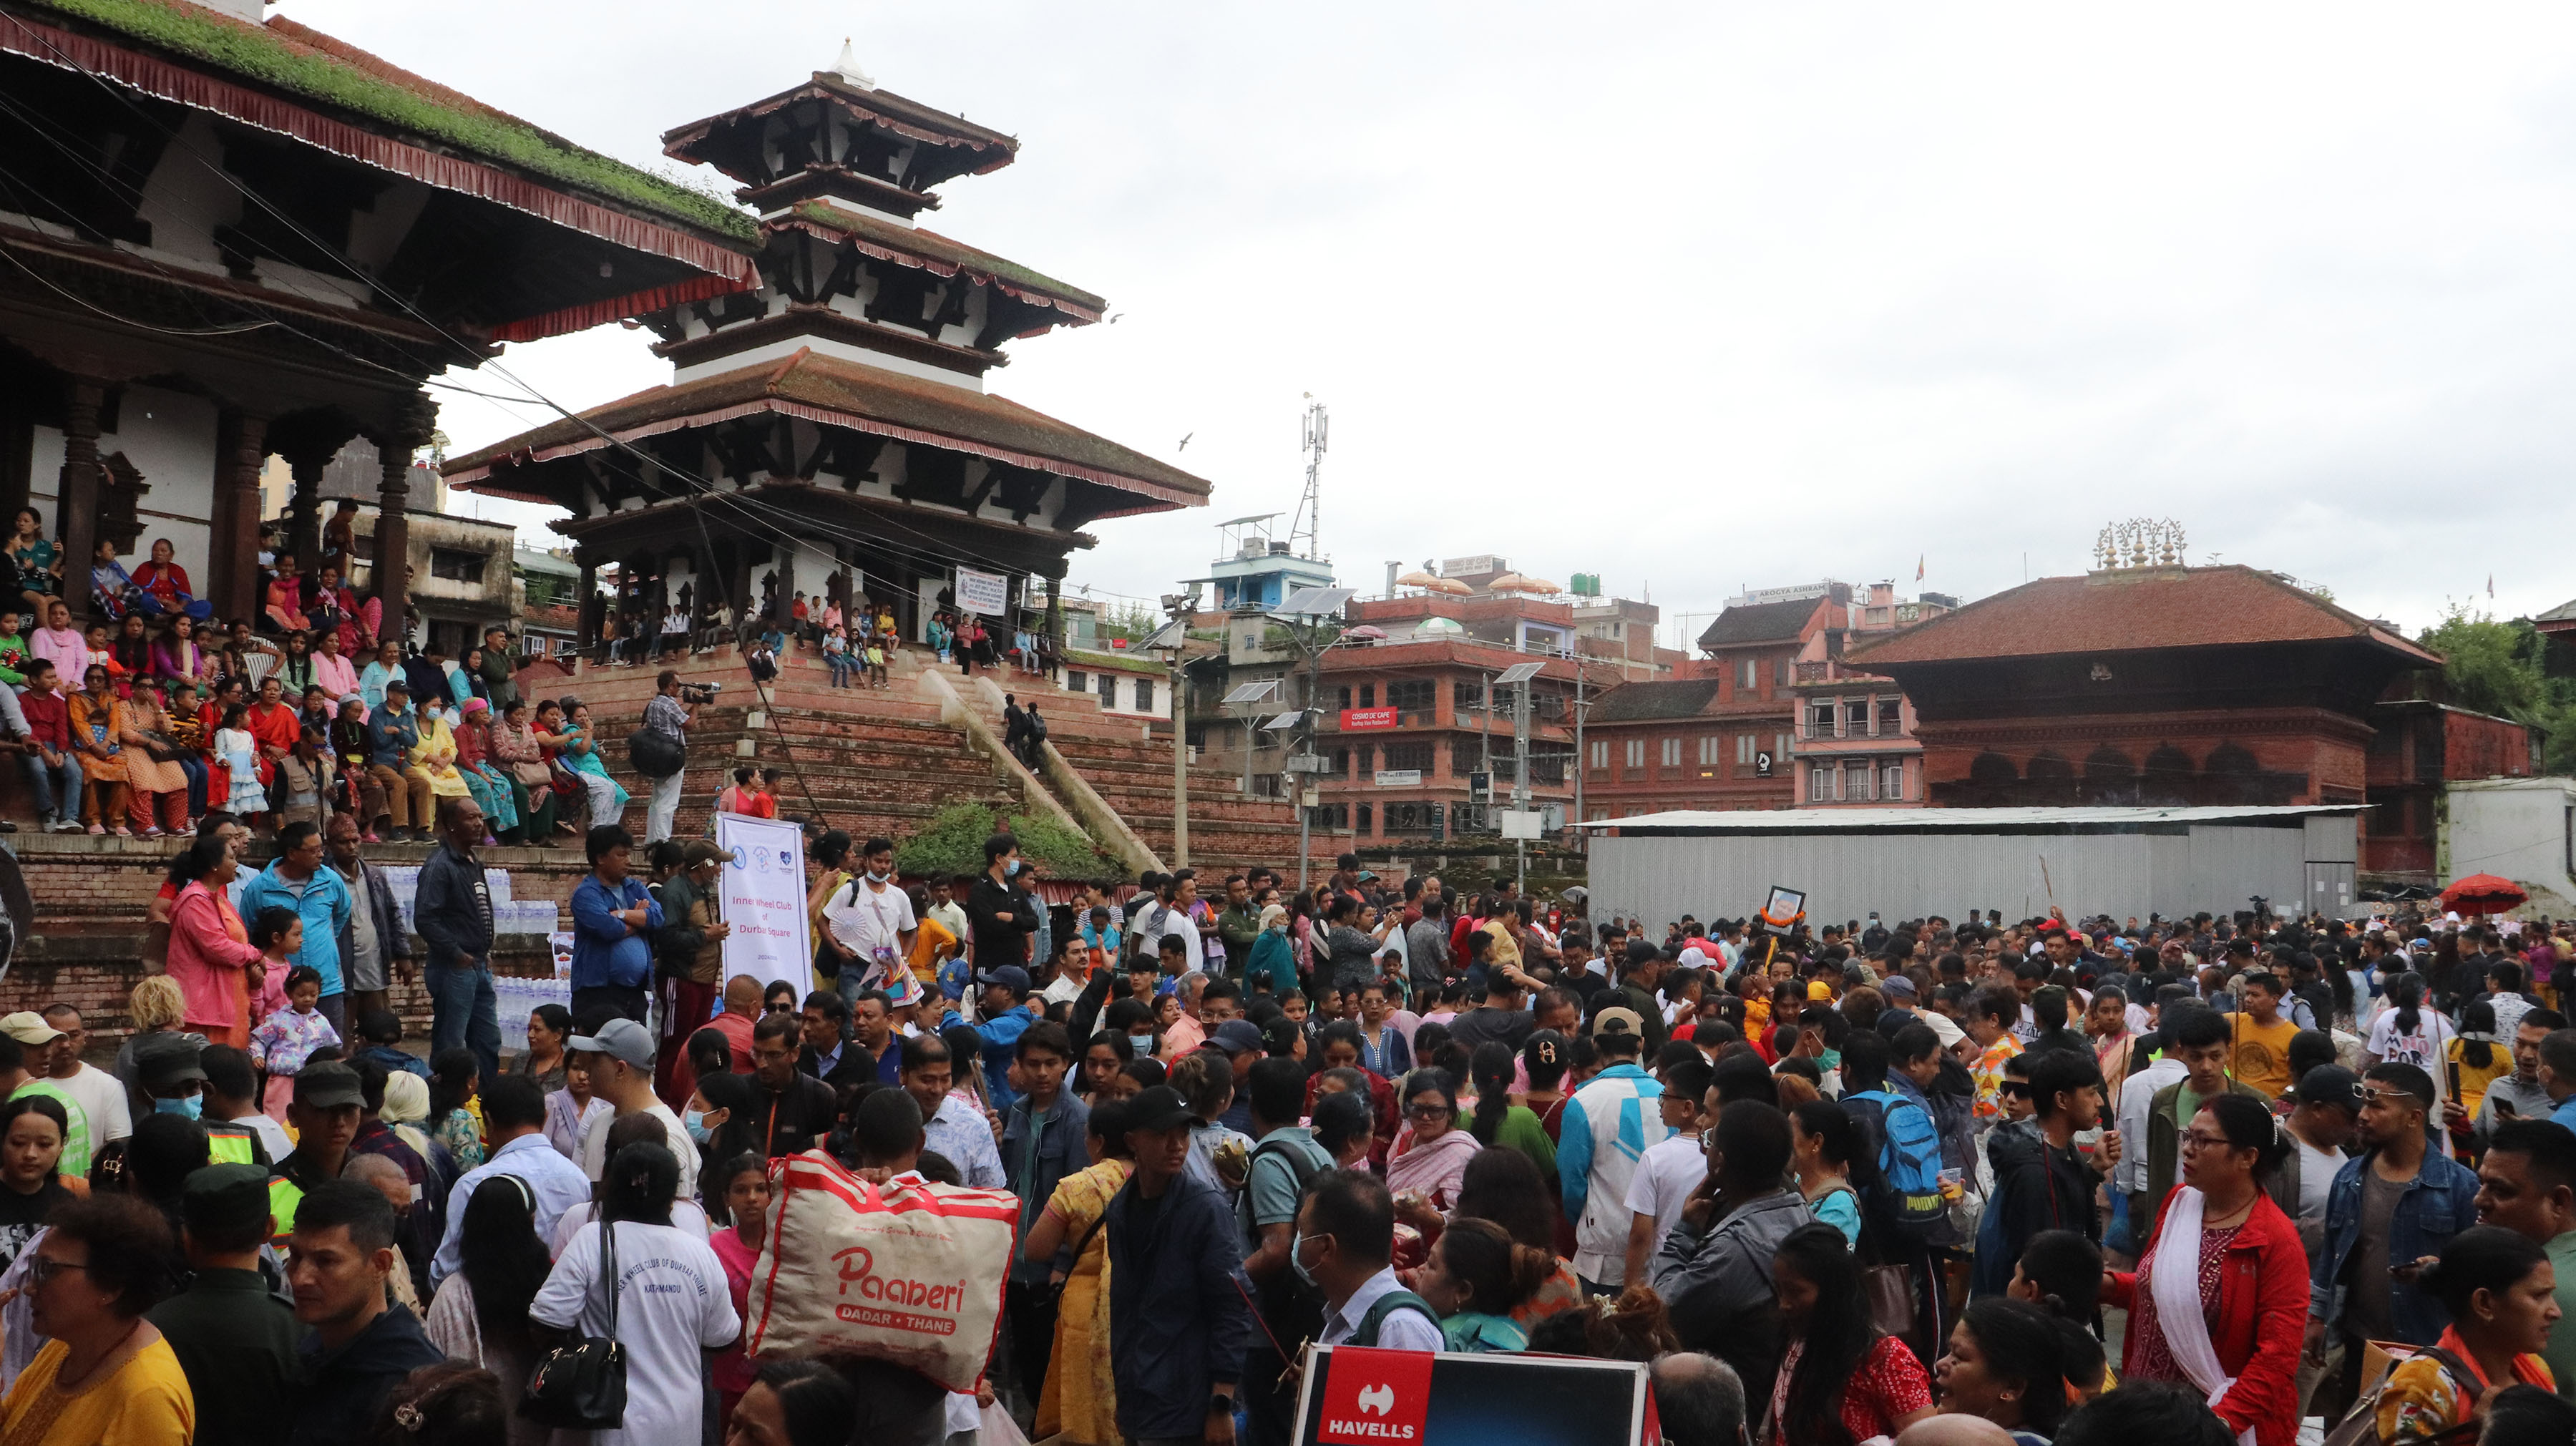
pixel 1600 753
pixel 1744 749
pixel 1891 779
pixel 1672 753
pixel 1820 718
pixel 1856 783
pixel 1891 717
pixel 1636 753
pixel 1820 783
pixel 1708 750
pixel 1779 745
pixel 1748 675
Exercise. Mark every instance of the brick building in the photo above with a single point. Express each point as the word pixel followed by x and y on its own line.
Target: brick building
pixel 2146 685
pixel 2419 749
pixel 1690 743
pixel 1405 724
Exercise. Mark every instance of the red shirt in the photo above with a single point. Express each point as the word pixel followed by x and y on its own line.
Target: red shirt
pixel 49 718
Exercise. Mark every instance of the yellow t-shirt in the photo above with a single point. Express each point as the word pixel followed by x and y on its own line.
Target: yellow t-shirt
pixel 145 1402
pixel 2261 1054
pixel 2473 1079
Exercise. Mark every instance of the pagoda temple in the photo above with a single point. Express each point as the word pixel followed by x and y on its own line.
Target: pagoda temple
pixel 831 433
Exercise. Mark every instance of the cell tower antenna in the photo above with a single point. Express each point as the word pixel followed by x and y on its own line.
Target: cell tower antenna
pixel 1310 508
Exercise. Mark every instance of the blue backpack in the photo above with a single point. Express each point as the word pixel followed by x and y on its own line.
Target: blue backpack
pixel 1902 1187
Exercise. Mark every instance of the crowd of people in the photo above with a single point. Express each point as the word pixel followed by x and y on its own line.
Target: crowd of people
pixel 2093 1182
pixel 854 641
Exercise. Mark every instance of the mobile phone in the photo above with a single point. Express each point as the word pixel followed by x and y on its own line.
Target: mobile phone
pixel 2504 1106
pixel 2453 1071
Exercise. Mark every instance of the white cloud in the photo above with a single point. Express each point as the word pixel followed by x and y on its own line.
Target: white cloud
pixel 1699 295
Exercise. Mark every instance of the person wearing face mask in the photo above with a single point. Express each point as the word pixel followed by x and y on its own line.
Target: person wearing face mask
pixel 1344 1247
pixel 869 923
pixel 1000 915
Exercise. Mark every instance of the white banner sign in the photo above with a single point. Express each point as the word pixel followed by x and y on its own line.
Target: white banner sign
pixel 764 900
pixel 983 592
pixel 1399 778
pixel 1520 823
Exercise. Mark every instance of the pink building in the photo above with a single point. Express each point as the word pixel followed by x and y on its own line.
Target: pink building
pixel 1854 733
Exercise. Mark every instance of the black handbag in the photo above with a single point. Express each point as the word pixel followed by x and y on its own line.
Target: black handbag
pixel 654 754
pixel 582 1387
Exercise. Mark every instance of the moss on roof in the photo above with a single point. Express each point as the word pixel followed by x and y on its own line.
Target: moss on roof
pixel 945 250
pixel 290 58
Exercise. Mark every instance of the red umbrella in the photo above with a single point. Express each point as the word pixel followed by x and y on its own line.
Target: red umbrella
pixel 2483 894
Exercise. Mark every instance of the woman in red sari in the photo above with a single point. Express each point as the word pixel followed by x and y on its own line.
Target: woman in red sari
pixel 167 582
pixel 274 725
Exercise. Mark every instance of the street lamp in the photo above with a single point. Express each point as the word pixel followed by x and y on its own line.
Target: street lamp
pixel 1169 640
pixel 1304 615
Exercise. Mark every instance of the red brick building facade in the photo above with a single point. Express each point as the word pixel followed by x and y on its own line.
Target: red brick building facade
pixel 2419 746
pixel 2147 685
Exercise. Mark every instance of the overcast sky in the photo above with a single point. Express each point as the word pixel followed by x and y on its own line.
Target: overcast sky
pixel 1699 296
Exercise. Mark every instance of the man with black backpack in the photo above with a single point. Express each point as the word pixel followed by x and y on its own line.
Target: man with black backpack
pixel 660 750
pixel 1285 1159
pixel 1346 1245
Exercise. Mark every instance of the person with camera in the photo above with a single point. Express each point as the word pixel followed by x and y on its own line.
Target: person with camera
pixel 666 718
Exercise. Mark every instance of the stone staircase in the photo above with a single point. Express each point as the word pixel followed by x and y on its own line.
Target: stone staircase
pixel 882 761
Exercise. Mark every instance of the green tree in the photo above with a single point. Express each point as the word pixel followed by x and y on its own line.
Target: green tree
pixel 2488 666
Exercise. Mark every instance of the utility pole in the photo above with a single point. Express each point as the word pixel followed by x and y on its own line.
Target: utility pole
pixel 1581 842
pixel 1520 777
pixel 1172 639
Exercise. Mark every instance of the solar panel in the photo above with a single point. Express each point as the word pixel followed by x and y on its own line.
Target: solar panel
pixel 1252 692
pixel 1283 721
pixel 1170 635
pixel 1317 602
pixel 1517 673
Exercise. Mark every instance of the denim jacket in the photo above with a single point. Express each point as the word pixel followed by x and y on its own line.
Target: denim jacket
pixel 1038 1151
pixel 2439 1202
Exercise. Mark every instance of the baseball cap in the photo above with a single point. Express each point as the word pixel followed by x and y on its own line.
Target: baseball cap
pixel 619 1039
pixel 221 1198
pixel 163 1060
pixel 2327 1084
pixel 1009 976
pixel 327 1086
pixel 397 685
pixel 1616 1020
pixel 1898 987
pixel 1818 991
pixel 28 1027
pixel 1159 1108
pixel 1237 1036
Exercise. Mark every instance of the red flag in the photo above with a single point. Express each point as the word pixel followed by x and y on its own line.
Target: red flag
pixel 1918 567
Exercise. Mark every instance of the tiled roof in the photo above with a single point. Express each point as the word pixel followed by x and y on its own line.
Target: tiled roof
pixel 2563 613
pixel 2199 607
pixel 943 256
pixel 1778 622
pixel 835 392
pixel 282 55
pixel 1646 702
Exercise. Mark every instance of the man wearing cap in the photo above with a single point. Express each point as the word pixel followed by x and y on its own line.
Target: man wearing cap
pixel 613 919
pixel 453 913
pixel 1608 1124
pixel 1007 1015
pixel 297 882
pixel 235 1341
pixel 1176 1286
pixel 2324 1105
pixel 32 1039
pixel 101 1094
pixel 619 1058
pixel 1239 1040
pixel 324 1113
pixel 392 733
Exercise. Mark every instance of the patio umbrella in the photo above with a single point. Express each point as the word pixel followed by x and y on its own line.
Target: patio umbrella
pixel 2482 894
pixel 1366 632
pixel 1417 579
pixel 1451 586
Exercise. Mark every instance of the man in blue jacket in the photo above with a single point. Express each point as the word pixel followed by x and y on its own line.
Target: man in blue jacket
pixel 613 919
pixel 393 731
pixel 1007 1015
pixel 297 882
pixel 2387 1211
pixel 1175 1286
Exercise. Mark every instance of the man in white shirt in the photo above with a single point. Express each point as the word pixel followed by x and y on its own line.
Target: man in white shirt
pixel 1169 915
pixel 514 1111
pixel 1671 1169
pixel 871 922
pixel 101 1095
pixel 620 1062
pixel 951 914
pixel 1344 1243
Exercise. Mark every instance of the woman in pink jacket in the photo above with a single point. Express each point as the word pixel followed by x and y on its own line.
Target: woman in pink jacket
pixel 211 956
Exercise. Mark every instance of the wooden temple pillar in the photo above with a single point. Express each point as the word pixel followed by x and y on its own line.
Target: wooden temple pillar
pixel 77 489
pixel 232 543
pixel 414 418
pixel 586 608
pixel 1055 607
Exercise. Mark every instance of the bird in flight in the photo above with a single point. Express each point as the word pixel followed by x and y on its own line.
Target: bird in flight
pixel 1185 443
